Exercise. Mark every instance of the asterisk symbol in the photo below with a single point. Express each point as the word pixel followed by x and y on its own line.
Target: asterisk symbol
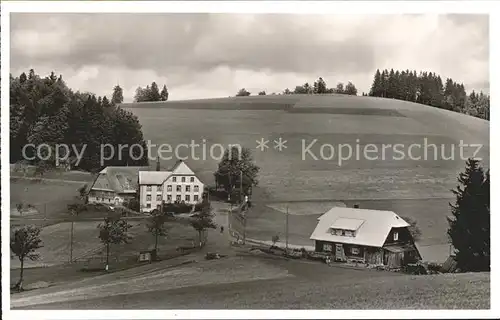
pixel 280 144
pixel 262 144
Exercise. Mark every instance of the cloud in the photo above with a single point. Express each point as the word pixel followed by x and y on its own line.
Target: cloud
pixel 216 54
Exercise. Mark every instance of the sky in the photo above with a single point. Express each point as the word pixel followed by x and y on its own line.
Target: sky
pixel 214 55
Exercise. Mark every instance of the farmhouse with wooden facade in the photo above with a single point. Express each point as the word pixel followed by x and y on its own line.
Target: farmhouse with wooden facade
pixel 114 185
pixel 372 237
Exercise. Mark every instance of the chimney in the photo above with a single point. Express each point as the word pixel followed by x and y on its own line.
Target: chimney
pixel 356 206
pixel 158 163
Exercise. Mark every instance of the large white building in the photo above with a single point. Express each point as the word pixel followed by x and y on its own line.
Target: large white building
pixel 180 184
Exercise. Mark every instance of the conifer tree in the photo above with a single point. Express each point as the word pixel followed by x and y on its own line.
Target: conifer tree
pixel 117 96
pixel 164 93
pixel 469 229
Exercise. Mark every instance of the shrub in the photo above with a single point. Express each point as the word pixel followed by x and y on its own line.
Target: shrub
pixel 181 207
pixel 133 204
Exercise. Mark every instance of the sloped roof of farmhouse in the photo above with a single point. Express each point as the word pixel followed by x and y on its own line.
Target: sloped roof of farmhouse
pixel 372 226
pixel 124 179
pixel 117 179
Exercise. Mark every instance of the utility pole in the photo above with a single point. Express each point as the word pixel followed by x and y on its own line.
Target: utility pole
pixel 241 186
pixel 71 242
pixel 230 186
pixel 45 211
pixel 229 216
pixel 244 228
pixel 286 230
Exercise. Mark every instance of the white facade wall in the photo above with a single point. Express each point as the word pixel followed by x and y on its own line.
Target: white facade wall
pixel 149 197
pixel 169 193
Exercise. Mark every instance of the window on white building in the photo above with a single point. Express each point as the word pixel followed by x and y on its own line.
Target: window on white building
pixel 148 197
pixel 188 188
pixel 196 188
pixel 148 188
pixel 169 188
pixel 148 205
pixel 159 187
pixel 174 179
pixel 183 179
pixel 158 197
pixel 179 188
pixel 192 179
pixel 188 198
pixel 196 197
pixel 169 198
pixel 178 197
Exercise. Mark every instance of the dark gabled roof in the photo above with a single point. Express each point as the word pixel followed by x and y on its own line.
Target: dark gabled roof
pixel 118 179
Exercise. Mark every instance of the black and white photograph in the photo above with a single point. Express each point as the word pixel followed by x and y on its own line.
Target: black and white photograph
pixel 185 158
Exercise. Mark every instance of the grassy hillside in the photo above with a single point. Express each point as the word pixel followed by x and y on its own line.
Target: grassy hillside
pixel 286 175
pixel 252 282
pixel 290 175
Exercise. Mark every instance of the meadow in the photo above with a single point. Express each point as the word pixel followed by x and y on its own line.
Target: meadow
pixel 50 199
pixel 287 175
pixel 416 188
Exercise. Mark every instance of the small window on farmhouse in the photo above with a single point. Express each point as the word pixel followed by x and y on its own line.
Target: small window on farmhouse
pixel 396 236
pixel 183 179
pixel 327 247
pixel 148 188
pixel 343 232
pixel 355 250
pixel 192 179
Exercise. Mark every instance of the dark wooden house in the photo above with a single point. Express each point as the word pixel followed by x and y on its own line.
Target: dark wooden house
pixel 373 237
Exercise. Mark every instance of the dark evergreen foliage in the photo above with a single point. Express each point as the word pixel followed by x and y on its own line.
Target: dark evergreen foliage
pixel 470 224
pixel 151 93
pixel 46 111
pixel 428 88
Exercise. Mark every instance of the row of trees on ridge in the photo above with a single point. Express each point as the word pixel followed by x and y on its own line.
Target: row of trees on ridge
pixel 151 93
pixel 428 88
pixel 318 87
